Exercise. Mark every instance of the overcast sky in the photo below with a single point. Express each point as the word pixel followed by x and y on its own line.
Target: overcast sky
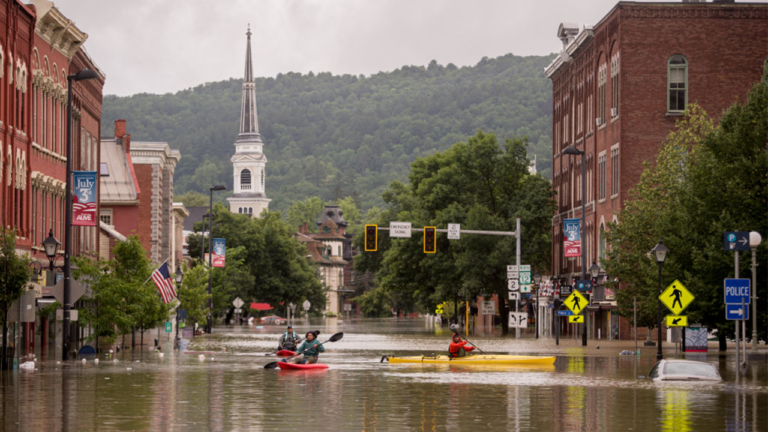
pixel 161 46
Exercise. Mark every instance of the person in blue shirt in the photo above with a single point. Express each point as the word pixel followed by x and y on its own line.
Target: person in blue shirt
pixel 311 349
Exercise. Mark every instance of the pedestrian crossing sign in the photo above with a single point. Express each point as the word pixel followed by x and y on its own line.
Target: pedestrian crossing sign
pixel 576 302
pixel 676 297
pixel 576 319
pixel 677 321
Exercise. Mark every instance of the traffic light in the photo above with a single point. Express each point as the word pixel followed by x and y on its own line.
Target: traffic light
pixel 371 238
pixel 430 241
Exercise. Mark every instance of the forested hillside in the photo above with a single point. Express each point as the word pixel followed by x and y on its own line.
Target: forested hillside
pixel 335 136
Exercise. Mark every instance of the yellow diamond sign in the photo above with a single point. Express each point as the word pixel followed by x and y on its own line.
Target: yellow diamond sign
pixel 677 321
pixel 676 297
pixel 576 302
pixel 576 319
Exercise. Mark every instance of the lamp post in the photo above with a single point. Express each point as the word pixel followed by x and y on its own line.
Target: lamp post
pixel 754 241
pixel 660 254
pixel 210 256
pixel 594 271
pixel 571 150
pixel 84 74
pixel 179 278
pixel 51 246
pixel 537 281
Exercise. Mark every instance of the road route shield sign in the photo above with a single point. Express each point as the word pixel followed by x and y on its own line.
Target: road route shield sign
pixel 576 302
pixel 576 319
pixel 676 297
pixel 677 321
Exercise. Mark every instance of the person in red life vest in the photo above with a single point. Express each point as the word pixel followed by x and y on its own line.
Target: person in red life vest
pixel 458 347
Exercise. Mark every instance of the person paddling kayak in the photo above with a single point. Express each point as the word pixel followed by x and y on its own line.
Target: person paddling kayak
pixel 458 348
pixel 288 340
pixel 311 349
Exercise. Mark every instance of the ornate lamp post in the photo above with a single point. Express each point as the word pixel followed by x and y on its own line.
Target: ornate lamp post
pixel 571 150
pixel 660 254
pixel 51 246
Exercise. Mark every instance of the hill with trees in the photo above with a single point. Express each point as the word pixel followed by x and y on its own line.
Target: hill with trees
pixel 335 136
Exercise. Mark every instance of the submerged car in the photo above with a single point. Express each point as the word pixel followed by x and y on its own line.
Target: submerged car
pixel 684 370
pixel 273 319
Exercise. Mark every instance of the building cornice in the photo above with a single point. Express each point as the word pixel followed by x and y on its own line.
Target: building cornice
pixel 59 32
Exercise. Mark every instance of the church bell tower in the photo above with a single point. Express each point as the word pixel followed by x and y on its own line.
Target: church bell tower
pixel 250 195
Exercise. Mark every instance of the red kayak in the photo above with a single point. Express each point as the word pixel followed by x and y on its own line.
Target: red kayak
pixel 291 366
pixel 285 353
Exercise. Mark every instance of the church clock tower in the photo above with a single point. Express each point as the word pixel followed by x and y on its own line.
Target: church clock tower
pixel 250 195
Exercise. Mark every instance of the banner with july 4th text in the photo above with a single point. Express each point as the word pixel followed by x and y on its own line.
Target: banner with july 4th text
pixel 572 237
pixel 84 198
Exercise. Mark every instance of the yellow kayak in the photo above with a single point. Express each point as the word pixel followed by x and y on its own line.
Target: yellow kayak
pixel 479 359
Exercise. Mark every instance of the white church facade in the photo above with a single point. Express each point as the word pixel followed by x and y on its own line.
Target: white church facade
pixel 249 162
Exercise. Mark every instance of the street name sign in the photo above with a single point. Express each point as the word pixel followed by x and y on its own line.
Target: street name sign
pixel 676 297
pixel 677 321
pixel 736 241
pixel 513 285
pixel 564 313
pixel 736 312
pixel 512 268
pixel 575 302
pixel 514 295
pixel 400 229
pixel 736 290
pixel 518 319
pixel 454 231
pixel 238 303
pixel 576 319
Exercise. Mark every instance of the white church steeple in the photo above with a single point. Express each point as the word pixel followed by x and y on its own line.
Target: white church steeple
pixel 250 195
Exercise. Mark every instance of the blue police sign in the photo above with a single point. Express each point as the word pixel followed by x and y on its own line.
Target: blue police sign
pixel 737 290
pixel 736 312
pixel 564 313
pixel 736 241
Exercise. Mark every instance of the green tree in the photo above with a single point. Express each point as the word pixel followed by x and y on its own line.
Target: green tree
pixel 193 294
pixel 306 211
pixel 234 280
pixel 15 271
pixel 193 199
pixel 351 214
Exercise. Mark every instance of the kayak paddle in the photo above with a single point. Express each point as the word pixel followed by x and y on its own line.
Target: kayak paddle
pixel 454 328
pixel 333 338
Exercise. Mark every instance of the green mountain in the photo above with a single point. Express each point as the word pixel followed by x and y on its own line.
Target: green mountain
pixel 341 135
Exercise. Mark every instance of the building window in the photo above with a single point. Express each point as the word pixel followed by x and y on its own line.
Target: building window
pixel 601 176
pixel 615 171
pixel 245 179
pixel 106 216
pixel 250 210
pixel 601 245
pixel 103 169
pixel 615 87
pixel 240 210
pixel 677 83
pixel 602 79
pixel 262 179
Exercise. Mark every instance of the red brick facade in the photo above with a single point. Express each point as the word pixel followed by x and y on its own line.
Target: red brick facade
pixel 619 72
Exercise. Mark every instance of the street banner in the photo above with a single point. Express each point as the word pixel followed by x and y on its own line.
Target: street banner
pixel 572 237
pixel 84 198
pixel 219 250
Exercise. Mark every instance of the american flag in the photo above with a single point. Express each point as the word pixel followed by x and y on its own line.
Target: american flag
pixel 162 278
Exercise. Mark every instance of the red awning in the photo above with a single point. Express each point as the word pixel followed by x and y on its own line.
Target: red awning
pixel 260 306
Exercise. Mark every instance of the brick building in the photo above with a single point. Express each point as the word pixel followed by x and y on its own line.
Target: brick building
pixel 137 192
pixel 617 89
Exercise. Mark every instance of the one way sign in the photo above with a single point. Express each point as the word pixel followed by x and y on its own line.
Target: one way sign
pixel 736 312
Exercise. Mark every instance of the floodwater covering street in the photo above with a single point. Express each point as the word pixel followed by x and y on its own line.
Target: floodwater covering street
pixel 586 390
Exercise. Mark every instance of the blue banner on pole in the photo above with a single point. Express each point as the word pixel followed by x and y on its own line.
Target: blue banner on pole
pixel 572 237
pixel 84 198
pixel 219 250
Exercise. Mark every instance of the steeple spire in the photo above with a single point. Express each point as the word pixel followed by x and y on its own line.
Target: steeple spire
pixel 249 121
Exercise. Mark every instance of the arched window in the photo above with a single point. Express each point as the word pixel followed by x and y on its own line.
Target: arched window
pixel 250 210
pixel 245 179
pixel 240 210
pixel 677 83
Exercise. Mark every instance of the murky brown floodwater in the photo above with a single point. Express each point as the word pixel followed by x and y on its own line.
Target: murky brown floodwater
pixel 586 390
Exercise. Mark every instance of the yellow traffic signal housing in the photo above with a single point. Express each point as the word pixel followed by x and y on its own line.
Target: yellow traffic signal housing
pixel 371 238
pixel 430 240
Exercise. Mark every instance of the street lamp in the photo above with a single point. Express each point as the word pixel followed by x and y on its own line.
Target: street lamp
pixel 571 150
pixel 210 256
pixel 660 254
pixel 594 270
pixel 754 241
pixel 536 281
pixel 51 246
pixel 83 75
pixel 179 278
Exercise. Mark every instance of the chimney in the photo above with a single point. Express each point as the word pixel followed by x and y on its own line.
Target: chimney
pixel 119 128
pixel 306 227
